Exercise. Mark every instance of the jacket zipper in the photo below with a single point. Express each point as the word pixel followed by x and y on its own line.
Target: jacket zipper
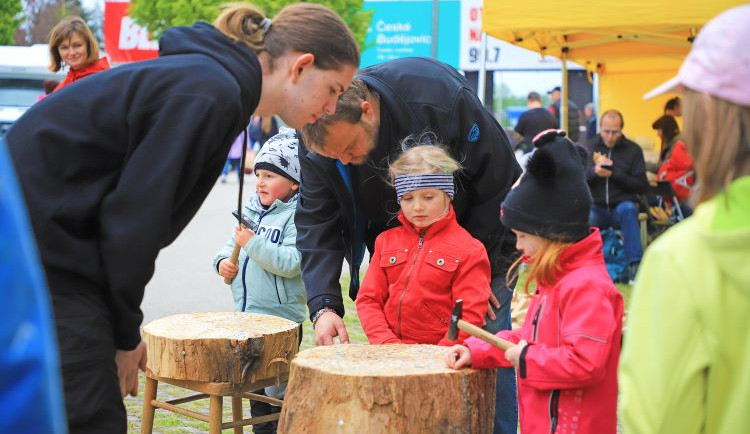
pixel 606 182
pixel 406 282
pixel 554 402
pixel 244 268
pixel 535 323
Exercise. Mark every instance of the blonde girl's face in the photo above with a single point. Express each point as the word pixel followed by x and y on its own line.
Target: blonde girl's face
pixel 271 186
pixel 425 206
pixel 73 51
pixel 528 244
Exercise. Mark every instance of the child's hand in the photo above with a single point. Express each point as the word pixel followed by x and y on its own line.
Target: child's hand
pixel 458 356
pixel 242 235
pixel 513 354
pixel 227 269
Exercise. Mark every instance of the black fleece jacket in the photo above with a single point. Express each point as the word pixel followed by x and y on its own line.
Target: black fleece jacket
pixel 114 166
pixel 628 177
pixel 416 94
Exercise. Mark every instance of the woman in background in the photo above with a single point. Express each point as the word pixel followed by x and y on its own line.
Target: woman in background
pixel 71 43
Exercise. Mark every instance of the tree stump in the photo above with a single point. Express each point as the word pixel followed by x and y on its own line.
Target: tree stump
pixel 220 347
pixel 393 388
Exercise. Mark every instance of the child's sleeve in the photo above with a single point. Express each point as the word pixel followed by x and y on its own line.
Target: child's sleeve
pixel 487 356
pixel 588 327
pixel 471 283
pixel 279 259
pixel 224 253
pixel 370 303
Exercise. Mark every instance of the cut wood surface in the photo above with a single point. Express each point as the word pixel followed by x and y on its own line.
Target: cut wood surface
pixel 220 347
pixel 393 388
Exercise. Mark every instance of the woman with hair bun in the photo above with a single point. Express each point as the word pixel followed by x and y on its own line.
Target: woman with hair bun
pixel 113 171
pixel 71 43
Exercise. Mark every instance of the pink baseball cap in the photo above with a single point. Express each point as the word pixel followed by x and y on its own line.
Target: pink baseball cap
pixel 719 62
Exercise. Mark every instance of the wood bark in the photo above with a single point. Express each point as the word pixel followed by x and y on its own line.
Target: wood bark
pixel 392 388
pixel 221 347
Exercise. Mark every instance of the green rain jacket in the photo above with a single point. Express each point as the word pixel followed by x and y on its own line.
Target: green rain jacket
pixel 685 366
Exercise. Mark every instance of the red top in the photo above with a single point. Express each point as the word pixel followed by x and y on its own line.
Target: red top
pixel 77 74
pixel 567 376
pixel 679 171
pixel 414 278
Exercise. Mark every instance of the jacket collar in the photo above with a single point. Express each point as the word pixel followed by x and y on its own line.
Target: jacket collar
pixel 587 251
pixel 98 66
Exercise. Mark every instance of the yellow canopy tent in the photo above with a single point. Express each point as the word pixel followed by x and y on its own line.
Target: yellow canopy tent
pixel 633 46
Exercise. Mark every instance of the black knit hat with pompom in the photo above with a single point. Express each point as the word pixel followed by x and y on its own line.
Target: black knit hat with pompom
pixel 552 199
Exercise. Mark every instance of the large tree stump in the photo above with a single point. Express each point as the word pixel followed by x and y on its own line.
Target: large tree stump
pixel 220 347
pixel 385 389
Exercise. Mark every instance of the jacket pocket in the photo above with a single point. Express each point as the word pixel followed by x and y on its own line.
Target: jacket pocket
pixel 437 270
pixel 392 262
pixel 438 317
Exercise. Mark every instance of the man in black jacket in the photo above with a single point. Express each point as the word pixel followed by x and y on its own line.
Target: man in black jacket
pixel 346 201
pixel 617 175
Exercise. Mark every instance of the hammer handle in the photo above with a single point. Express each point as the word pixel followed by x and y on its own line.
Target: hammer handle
pixel 484 335
pixel 235 258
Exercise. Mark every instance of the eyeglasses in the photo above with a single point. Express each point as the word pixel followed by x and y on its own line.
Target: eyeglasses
pixel 611 132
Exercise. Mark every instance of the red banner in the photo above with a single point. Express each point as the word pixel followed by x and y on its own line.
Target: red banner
pixel 124 40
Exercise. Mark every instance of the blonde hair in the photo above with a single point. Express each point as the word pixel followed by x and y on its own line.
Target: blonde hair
pixel 423 158
pixel 717 133
pixel 64 30
pixel 544 267
pixel 302 27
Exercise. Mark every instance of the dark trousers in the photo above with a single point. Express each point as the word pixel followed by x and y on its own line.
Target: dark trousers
pixel 87 356
pixel 623 216
pixel 506 399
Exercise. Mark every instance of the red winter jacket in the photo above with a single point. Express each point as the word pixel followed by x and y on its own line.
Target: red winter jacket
pixel 679 171
pixel 414 278
pixel 567 375
pixel 75 75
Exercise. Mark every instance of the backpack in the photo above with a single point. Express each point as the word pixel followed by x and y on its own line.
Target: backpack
pixel 614 254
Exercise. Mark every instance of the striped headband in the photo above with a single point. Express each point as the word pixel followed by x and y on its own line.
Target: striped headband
pixel 440 181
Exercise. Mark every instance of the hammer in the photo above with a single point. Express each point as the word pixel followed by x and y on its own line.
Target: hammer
pixel 458 323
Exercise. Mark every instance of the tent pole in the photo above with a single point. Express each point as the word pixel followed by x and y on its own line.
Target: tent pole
pixel 482 80
pixel 564 92
pixel 435 13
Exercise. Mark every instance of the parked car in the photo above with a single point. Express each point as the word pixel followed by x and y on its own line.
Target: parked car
pixel 22 73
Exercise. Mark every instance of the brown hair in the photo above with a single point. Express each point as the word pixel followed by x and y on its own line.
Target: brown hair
pixel 424 157
pixel 303 27
pixel 348 109
pixel 63 31
pixel 544 267
pixel 717 133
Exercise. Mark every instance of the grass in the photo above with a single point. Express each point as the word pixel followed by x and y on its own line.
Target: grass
pixel 166 422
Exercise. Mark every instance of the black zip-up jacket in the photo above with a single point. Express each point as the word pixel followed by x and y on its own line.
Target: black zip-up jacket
pixel 416 94
pixel 114 166
pixel 628 173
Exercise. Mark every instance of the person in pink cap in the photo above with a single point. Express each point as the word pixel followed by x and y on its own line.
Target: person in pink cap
pixel 685 365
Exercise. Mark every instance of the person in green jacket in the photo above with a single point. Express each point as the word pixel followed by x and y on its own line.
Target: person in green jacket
pixel 267 278
pixel 685 365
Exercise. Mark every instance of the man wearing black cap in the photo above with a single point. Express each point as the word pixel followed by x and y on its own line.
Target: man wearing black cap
pixel 573 121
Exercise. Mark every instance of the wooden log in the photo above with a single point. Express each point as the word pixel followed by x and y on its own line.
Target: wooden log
pixel 393 388
pixel 220 347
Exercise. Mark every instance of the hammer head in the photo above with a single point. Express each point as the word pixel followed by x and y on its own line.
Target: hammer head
pixel 455 316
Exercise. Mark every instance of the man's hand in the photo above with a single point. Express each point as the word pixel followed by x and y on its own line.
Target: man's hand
pixel 601 171
pixel 328 326
pixel 492 304
pixel 513 354
pixel 128 363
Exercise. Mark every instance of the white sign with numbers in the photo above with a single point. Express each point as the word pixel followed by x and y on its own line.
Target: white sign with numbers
pixel 501 55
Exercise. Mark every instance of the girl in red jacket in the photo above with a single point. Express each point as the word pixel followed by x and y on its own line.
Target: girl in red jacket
pixel 419 269
pixel 567 350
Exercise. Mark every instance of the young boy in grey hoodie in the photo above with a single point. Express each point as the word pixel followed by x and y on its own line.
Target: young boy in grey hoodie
pixel 267 278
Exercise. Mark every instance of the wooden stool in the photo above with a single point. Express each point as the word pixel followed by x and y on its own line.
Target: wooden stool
pixel 217 354
pixel 394 388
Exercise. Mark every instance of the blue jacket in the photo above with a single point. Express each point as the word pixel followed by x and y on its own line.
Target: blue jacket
pixel 269 279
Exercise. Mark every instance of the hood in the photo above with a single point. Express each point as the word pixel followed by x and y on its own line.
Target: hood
pixel 724 224
pixel 238 59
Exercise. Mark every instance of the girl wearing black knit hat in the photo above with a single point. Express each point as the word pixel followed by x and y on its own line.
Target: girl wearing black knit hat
pixel 567 350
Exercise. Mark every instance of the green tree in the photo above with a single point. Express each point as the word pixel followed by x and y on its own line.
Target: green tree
pixel 10 18
pixel 159 15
